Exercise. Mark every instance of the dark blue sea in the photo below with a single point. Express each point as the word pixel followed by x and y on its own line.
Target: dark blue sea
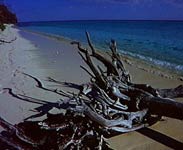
pixel 158 42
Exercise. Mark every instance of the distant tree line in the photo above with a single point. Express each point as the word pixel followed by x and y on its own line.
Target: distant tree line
pixel 6 16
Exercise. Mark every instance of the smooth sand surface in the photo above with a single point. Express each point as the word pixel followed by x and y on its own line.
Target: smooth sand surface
pixel 15 58
pixel 62 62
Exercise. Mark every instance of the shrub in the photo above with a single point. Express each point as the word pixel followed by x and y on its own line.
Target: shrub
pixel 2 27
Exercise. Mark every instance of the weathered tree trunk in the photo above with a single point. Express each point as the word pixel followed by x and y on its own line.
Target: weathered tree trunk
pixel 163 107
pixel 172 93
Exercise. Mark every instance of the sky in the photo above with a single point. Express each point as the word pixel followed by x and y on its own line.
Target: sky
pixel 48 10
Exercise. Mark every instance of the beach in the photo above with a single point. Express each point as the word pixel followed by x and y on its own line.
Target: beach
pixel 62 62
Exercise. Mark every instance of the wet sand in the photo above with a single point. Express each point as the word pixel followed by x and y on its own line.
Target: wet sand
pixel 44 57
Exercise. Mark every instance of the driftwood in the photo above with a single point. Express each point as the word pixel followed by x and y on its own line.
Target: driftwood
pixel 111 103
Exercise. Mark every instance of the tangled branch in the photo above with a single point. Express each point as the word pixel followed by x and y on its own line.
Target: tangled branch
pixel 111 103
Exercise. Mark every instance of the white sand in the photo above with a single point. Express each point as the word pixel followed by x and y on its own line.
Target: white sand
pixel 15 58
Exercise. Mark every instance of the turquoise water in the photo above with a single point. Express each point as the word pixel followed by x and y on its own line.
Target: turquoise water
pixel 159 42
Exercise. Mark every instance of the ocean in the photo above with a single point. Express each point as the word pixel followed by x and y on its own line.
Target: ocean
pixel 157 42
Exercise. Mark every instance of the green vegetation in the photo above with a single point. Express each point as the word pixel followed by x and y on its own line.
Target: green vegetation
pixel 2 27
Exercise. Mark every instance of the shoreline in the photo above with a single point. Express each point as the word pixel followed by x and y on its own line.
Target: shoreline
pixel 130 60
pixel 63 64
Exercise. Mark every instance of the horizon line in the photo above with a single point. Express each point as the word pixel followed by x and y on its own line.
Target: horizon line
pixel 173 20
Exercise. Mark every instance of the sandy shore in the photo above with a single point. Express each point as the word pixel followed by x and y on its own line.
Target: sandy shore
pixel 16 57
pixel 62 62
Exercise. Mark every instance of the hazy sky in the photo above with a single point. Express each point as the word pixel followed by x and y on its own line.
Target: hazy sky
pixel 36 10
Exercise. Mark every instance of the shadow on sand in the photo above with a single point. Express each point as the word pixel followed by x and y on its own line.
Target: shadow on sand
pixel 46 106
pixel 161 138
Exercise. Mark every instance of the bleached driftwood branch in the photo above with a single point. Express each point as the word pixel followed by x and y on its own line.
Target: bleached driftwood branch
pixel 110 103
